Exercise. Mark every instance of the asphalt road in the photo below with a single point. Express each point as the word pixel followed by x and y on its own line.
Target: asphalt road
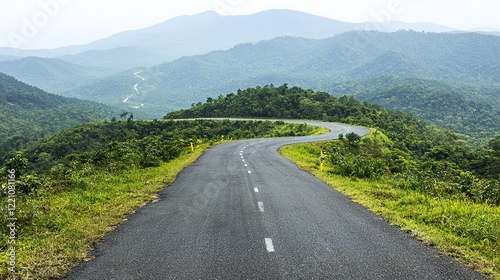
pixel 242 211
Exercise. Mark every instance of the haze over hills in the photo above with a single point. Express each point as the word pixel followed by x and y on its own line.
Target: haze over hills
pixel 201 33
pixel 52 74
pixel 455 60
pixel 172 39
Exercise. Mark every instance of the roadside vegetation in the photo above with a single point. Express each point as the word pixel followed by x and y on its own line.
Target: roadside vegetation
pixel 29 113
pixel 430 181
pixel 74 187
pixel 456 213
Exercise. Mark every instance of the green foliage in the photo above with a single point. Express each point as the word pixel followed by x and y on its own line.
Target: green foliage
pixel 29 113
pixel 353 139
pixel 430 159
pixel 472 110
pixel 328 65
pixel 452 222
pixel 67 157
pixel 57 227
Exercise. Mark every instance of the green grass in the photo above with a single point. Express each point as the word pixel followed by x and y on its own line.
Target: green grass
pixel 470 232
pixel 64 226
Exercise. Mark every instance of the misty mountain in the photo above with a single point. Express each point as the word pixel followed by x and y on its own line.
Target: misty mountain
pixel 457 60
pixel 205 32
pixel 51 74
pixel 170 40
pixel 116 60
pixel 317 63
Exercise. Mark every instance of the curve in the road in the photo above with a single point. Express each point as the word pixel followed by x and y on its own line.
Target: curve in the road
pixel 136 91
pixel 242 211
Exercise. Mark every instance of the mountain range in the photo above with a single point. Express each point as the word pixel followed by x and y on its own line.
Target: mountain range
pixel 184 60
pixel 321 64
pixel 201 33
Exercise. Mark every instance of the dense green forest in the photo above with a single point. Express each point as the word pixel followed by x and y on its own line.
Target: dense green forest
pixel 470 110
pixel 420 152
pixel 29 113
pixel 450 80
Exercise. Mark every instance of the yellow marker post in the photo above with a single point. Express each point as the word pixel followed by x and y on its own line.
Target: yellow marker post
pixel 321 159
pixel 192 147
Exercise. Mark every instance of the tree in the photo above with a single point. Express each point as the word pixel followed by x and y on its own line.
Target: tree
pixel 352 138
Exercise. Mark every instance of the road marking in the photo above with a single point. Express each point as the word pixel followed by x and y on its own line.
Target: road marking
pixel 241 154
pixel 255 189
pixel 246 165
pixel 249 172
pixel 261 206
pixel 269 245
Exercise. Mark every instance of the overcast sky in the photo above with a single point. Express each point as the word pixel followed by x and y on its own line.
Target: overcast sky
pixel 33 24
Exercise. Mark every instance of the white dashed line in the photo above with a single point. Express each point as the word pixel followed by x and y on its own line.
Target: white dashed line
pixel 241 156
pixel 261 206
pixel 246 165
pixel 255 189
pixel 249 172
pixel 269 245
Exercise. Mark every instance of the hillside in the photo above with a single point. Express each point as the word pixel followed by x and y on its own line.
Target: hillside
pixel 417 146
pixel 471 110
pixel 29 113
pixel 333 64
pixel 51 74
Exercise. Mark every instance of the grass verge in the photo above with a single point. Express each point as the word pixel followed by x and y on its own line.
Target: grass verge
pixel 468 231
pixel 67 224
pixel 57 229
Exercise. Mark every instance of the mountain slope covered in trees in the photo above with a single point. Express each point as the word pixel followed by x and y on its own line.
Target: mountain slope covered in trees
pixel 460 60
pixel 418 147
pixel 51 74
pixel 471 110
pixel 29 113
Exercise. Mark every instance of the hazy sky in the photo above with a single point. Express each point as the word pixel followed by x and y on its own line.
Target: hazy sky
pixel 33 24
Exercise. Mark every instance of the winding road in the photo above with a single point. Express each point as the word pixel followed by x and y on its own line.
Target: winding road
pixel 136 91
pixel 242 211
